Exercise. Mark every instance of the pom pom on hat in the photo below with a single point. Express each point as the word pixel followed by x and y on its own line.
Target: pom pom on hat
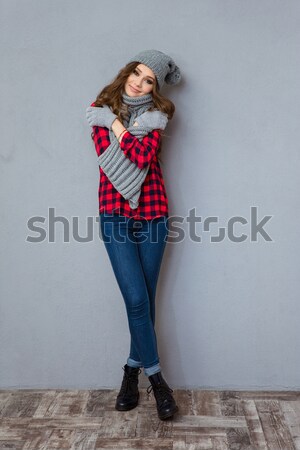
pixel 174 76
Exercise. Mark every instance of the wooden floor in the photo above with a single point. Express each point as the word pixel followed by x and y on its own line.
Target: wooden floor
pixel 87 420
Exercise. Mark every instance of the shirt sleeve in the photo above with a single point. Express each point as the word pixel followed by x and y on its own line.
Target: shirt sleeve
pixel 100 136
pixel 140 152
pixel 101 140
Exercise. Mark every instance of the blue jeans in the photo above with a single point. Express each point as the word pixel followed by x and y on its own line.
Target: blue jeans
pixel 135 248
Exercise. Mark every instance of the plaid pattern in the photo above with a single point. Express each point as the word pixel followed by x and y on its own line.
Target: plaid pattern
pixel 153 201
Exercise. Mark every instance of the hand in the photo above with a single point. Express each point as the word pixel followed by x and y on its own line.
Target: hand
pixel 100 116
pixel 153 119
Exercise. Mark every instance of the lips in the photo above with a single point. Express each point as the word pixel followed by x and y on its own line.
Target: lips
pixel 134 90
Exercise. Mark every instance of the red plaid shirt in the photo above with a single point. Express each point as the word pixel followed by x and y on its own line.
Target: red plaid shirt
pixel 153 201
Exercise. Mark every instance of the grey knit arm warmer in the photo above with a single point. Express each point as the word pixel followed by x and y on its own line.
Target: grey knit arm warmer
pixel 124 174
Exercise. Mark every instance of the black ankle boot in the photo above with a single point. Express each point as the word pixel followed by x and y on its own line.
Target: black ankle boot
pixel 129 395
pixel 165 403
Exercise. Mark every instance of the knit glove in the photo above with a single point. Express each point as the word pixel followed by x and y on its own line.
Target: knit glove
pixel 153 119
pixel 100 116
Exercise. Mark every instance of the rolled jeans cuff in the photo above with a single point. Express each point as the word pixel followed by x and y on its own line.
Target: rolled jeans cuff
pixel 132 363
pixel 152 370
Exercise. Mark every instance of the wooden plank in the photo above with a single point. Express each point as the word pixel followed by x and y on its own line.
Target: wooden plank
pixel 220 443
pixel 45 402
pixel 184 400
pixel 238 438
pixel 148 424
pixel 206 403
pixel 291 412
pixel 68 403
pixel 100 400
pixel 21 404
pixel 256 433
pixel 276 431
pixel 85 423
pixel 209 422
pixel 193 443
pixel 263 395
pixel 134 444
pixel 230 403
pixel 36 439
pixel 83 440
pixel 11 444
pixel 59 439
pixel 4 400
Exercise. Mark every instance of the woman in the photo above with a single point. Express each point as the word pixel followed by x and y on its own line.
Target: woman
pixel 128 117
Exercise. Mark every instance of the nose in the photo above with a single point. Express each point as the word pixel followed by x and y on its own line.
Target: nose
pixel 138 83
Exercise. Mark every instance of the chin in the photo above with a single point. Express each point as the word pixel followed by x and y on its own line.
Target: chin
pixel 129 93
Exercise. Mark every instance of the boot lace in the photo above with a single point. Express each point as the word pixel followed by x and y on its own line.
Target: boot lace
pixel 162 389
pixel 127 379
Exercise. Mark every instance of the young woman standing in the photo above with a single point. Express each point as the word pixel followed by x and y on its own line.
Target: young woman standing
pixel 128 117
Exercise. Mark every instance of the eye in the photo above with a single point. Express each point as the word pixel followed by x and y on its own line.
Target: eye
pixel 137 73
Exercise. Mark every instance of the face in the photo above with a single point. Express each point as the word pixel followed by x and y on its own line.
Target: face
pixel 140 81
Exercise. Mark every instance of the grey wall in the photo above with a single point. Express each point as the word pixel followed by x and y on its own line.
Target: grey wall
pixel 227 312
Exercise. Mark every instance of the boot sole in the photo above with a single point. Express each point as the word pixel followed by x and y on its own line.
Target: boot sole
pixel 169 414
pixel 127 407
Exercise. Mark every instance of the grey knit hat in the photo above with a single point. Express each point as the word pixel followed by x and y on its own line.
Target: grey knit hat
pixel 162 65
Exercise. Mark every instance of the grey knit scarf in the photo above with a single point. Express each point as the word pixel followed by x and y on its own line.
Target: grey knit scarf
pixel 125 175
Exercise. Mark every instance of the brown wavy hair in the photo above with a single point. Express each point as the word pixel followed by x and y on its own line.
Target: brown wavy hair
pixel 111 95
